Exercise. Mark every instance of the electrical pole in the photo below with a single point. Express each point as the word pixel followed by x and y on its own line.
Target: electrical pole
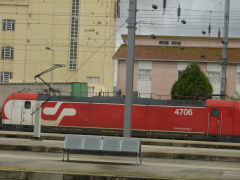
pixel 225 49
pixel 130 68
pixel 52 64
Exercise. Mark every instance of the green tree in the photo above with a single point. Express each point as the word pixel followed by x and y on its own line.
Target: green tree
pixel 191 84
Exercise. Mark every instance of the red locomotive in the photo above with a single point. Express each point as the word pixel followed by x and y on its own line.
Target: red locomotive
pixel 151 118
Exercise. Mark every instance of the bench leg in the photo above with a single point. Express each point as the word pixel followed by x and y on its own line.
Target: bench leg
pixel 140 154
pixel 137 159
pixel 63 155
pixel 140 158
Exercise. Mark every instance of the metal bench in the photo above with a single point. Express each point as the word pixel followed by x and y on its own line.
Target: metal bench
pixel 102 145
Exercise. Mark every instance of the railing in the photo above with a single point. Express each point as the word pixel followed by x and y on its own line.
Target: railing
pixel 135 94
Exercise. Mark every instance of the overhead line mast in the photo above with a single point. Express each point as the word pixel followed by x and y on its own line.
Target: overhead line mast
pixel 130 68
pixel 225 49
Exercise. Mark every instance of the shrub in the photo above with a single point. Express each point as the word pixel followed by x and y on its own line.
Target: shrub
pixel 192 84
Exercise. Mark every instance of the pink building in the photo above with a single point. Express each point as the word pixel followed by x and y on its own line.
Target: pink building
pixel 159 60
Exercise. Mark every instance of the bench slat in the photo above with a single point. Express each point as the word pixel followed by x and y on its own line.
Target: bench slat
pixel 73 142
pixel 111 144
pixel 92 143
pixel 130 145
pixel 102 144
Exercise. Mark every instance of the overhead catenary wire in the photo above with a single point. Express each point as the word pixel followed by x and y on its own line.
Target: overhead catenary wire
pixel 150 25
pixel 155 25
pixel 100 15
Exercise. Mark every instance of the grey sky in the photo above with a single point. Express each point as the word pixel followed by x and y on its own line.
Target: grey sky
pixel 197 13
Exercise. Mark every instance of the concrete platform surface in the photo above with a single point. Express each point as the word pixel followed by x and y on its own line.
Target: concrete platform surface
pixel 115 167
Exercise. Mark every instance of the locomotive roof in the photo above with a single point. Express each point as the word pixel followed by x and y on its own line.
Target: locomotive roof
pixel 120 100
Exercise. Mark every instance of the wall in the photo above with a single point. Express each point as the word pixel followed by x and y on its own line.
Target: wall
pixel 231 82
pixel 185 41
pixel 121 82
pixel 8 88
pixel 41 24
pixel 97 43
pixel 164 74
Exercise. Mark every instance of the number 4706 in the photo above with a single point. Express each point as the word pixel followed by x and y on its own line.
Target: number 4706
pixel 184 112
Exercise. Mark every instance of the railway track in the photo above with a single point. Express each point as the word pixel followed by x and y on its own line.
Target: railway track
pixel 145 141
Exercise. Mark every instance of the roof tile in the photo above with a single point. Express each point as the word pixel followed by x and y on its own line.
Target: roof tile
pixel 178 53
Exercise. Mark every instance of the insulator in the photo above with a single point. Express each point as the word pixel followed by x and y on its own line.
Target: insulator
pixel 209 28
pixel 154 6
pixel 183 22
pixel 179 12
pixel 164 5
pixel 219 33
pixel 153 36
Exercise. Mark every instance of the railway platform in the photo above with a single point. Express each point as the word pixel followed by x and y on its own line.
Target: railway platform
pixel 23 165
pixel 151 148
pixel 20 156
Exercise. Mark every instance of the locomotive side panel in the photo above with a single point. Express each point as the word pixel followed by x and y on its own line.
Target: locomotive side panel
pixel 83 114
pixel 18 108
pixel 216 118
pixel 236 123
pixel 220 120
pixel 7 112
pixel 221 117
pixel 19 112
pixel 184 119
pixel 226 126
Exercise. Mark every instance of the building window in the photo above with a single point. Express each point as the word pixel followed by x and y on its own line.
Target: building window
pixel 5 76
pixel 238 79
pixel 145 74
pixel 238 82
pixel 91 91
pixel 7 52
pixel 215 80
pixel 93 79
pixel 214 77
pixel 181 67
pixel 74 35
pixel 179 72
pixel 163 42
pixel 8 25
pixel 73 55
pixel 176 43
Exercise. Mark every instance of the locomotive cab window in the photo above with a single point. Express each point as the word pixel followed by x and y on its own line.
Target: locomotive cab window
pixel 27 105
pixel 215 113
